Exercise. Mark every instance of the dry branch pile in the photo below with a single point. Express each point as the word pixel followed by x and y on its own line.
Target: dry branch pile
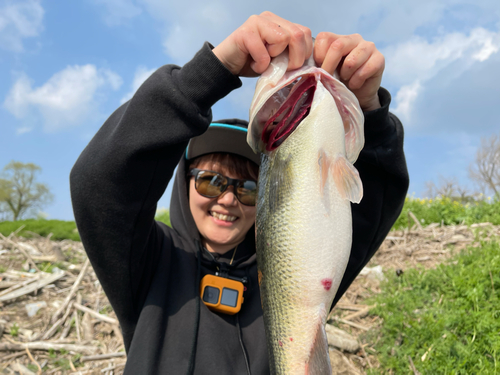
pixel 426 247
pixel 57 320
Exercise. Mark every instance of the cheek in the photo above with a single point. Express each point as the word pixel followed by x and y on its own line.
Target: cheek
pixel 249 215
pixel 197 203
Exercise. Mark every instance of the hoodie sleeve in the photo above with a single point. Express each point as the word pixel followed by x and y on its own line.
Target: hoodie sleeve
pixel 382 168
pixel 122 173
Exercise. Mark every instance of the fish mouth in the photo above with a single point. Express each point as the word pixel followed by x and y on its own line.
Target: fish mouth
pixel 293 110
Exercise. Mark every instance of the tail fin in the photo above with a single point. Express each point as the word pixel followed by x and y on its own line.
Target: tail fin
pixel 319 360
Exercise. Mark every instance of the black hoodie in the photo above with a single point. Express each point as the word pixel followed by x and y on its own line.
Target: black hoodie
pixel 150 272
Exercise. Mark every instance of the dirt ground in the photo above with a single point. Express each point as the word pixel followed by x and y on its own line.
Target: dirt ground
pixel 57 320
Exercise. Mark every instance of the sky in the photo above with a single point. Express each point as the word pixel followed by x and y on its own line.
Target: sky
pixel 65 66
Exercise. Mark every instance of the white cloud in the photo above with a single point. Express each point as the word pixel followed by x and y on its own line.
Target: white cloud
pixel 65 100
pixel 188 30
pixel 413 64
pixel 185 28
pixel 421 59
pixel 118 12
pixel 19 20
pixel 24 129
pixel 405 98
pixel 141 74
pixel 490 46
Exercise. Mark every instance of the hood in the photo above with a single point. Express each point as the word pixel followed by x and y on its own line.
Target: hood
pixel 184 225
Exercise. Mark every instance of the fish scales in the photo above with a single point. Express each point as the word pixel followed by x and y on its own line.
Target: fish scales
pixel 303 237
pixel 309 128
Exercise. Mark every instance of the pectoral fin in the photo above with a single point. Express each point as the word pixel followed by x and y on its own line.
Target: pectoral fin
pixel 347 179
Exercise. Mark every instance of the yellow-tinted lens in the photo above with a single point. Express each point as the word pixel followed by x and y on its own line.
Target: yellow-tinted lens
pixel 247 193
pixel 210 184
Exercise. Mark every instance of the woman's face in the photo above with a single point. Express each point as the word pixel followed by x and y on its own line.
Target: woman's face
pixel 223 222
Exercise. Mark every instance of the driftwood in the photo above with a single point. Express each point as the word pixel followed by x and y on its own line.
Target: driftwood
pixel 57 324
pixel 22 250
pixel 352 324
pixel 95 314
pixel 412 365
pixel 113 367
pixel 36 285
pixel 71 293
pixel 59 291
pixel 17 285
pixel 23 370
pixel 100 357
pixel 87 327
pixel 341 339
pixel 47 345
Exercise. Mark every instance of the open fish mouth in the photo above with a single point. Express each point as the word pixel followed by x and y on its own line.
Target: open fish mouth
pixel 285 100
pixel 295 108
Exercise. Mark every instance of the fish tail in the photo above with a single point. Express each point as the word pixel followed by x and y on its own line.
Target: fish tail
pixel 319 360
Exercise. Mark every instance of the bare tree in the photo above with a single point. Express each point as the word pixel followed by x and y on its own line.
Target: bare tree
pixel 485 169
pixel 19 191
pixel 448 188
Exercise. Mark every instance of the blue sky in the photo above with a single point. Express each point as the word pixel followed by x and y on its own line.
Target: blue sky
pixel 66 65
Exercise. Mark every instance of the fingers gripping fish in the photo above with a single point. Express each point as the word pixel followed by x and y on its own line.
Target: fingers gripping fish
pixel 309 128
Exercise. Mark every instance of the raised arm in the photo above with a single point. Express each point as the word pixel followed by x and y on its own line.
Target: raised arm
pixel 122 173
pixel 381 163
pixel 382 168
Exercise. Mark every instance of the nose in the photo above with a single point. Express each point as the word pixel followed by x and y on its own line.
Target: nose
pixel 228 198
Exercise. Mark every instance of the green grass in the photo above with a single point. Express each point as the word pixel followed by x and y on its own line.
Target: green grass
pixel 163 215
pixel 14 330
pixel 452 313
pixel 49 266
pixel 59 359
pixel 449 212
pixel 60 229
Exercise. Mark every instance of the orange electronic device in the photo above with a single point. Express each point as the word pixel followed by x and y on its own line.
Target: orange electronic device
pixel 222 294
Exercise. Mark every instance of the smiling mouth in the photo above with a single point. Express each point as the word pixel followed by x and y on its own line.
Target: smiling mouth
pixel 223 217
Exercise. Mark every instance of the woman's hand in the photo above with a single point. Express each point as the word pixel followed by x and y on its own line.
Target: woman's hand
pixel 359 63
pixel 248 51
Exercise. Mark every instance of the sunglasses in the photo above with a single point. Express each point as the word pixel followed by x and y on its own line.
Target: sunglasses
pixel 211 184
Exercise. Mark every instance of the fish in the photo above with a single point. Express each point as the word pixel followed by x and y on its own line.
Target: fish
pixel 308 127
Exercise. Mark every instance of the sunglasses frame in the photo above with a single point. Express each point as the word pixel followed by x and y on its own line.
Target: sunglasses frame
pixel 195 172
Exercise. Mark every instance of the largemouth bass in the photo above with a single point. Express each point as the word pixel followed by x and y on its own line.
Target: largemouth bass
pixel 309 128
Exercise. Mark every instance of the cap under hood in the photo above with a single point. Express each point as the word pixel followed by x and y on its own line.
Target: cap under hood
pixel 183 222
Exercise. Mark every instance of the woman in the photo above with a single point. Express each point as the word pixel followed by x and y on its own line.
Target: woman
pixel 151 273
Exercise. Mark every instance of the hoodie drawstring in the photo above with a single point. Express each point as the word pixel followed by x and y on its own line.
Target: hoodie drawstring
pixel 194 341
pixel 241 343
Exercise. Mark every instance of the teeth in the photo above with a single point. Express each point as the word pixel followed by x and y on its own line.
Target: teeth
pixel 223 217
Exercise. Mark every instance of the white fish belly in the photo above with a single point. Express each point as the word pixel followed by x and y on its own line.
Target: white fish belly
pixel 304 235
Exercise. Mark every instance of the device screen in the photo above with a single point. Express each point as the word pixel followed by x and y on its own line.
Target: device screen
pixel 229 297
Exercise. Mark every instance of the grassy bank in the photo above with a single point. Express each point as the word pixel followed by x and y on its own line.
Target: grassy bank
pixel 60 229
pixel 447 320
pixel 427 211
pixel 449 212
